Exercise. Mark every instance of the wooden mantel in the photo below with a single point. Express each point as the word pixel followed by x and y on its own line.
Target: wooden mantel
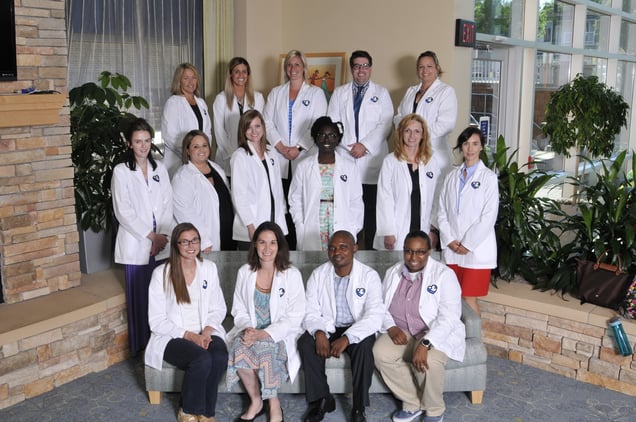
pixel 30 109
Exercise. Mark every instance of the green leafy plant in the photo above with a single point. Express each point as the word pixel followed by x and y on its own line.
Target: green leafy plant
pixel 99 115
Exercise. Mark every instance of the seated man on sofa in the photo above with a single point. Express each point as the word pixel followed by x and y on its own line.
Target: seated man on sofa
pixel 344 310
pixel 422 329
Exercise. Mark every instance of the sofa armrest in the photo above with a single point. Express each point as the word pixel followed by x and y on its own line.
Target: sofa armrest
pixel 471 320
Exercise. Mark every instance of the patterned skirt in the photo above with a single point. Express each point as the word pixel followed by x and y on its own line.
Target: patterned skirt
pixel 269 359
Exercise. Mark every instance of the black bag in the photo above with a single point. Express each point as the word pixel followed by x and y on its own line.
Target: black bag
pixel 602 284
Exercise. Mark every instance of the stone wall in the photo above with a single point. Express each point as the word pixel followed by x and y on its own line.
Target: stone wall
pixel 584 351
pixel 39 240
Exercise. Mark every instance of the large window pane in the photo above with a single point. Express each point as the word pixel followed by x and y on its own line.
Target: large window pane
pixel 628 38
pixel 629 6
pixel 555 23
pixel 595 66
pixel 603 2
pixel 496 17
pixel 625 79
pixel 596 31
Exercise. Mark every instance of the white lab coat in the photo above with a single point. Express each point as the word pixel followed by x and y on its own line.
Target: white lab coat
pixel 250 192
pixel 304 199
pixel 176 121
pixel 309 105
pixel 440 306
pixel 364 296
pixel 473 224
pixel 196 202
pixel 226 123
pixel 393 207
pixel 286 308
pixel 438 107
pixel 374 125
pixel 135 201
pixel 165 315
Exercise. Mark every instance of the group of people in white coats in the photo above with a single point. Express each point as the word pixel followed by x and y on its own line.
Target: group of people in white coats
pixel 311 167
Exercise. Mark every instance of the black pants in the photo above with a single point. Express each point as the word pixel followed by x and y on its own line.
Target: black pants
pixel 203 371
pixel 362 366
pixel 369 196
pixel 291 228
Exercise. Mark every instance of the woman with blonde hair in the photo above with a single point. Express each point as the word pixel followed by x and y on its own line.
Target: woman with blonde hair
pixel 184 111
pixel 229 105
pixel 406 186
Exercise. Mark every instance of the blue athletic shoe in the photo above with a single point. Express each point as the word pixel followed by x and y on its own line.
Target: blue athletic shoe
pixel 406 416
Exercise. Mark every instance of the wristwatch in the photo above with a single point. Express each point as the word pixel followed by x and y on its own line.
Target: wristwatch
pixel 299 147
pixel 426 343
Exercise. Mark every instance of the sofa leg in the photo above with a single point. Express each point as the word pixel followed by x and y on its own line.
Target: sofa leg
pixel 154 396
pixel 476 397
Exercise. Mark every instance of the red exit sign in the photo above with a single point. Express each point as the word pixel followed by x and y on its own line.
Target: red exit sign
pixel 465 33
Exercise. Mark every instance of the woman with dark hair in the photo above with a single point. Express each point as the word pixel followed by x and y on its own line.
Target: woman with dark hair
pixel 326 193
pixel 229 105
pixel 142 201
pixel 202 195
pixel 468 207
pixel 257 191
pixel 268 309
pixel 436 102
pixel 185 315
pixel 406 186
pixel 184 111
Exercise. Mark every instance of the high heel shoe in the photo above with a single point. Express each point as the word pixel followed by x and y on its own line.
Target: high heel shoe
pixel 260 413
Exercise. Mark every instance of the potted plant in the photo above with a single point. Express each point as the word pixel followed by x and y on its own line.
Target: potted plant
pixel 585 114
pixel 99 114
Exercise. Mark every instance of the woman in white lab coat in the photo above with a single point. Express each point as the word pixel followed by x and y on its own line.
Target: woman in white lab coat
pixel 468 207
pixel 202 194
pixel 186 313
pixel 436 102
pixel 184 111
pixel 229 105
pixel 142 202
pixel 326 193
pixel 257 191
pixel 406 186
pixel 268 310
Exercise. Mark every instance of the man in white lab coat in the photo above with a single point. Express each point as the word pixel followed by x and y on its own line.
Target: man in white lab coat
pixel 366 111
pixel 422 330
pixel 344 310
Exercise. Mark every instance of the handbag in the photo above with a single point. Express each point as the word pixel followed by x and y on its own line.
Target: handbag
pixel 602 284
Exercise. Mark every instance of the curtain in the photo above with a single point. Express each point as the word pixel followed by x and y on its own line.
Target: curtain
pixel 142 39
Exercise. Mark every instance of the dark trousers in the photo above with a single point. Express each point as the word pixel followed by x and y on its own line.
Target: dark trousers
pixel 369 195
pixel 362 366
pixel 203 371
pixel 291 228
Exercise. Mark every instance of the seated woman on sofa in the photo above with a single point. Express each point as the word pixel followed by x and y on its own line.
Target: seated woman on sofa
pixel 185 312
pixel 268 308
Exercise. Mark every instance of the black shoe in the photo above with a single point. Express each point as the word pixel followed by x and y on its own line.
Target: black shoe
pixel 318 408
pixel 358 415
pixel 260 413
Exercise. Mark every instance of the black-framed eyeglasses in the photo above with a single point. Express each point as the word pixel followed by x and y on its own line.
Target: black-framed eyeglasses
pixel 186 242
pixel 419 252
pixel 359 66
pixel 324 136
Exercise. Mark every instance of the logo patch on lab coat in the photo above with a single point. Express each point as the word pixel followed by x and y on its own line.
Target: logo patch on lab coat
pixel 428 100
pixel 343 177
pixel 360 291
pixel 432 289
pixel 205 284
pixel 475 185
pixel 429 174
pixel 306 103
pixel 155 177
pixel 374 99
pixel 271 160
pixel 281 292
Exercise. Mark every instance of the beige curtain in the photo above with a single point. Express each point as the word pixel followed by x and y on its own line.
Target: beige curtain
pixel 219 36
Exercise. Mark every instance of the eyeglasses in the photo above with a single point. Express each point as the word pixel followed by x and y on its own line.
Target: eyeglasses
pixel 324 136
pixel 359 66
pixel 186 242
pixel 419 252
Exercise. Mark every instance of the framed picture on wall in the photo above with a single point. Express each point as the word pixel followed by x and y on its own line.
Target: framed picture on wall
pixel 324 70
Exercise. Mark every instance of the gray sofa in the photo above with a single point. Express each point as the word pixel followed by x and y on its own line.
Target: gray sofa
pixel 467 376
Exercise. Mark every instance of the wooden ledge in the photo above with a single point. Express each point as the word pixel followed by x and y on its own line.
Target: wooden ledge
pixel 30 109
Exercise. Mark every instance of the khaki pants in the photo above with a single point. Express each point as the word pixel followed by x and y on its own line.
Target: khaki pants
pixel 425 391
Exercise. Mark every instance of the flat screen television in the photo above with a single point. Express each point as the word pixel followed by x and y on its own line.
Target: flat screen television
pixel 8 65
